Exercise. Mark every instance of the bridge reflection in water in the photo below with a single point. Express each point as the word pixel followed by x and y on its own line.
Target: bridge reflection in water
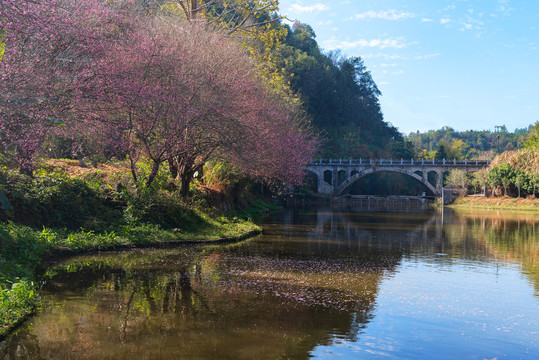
pixel 335 176
pixel 364 203
pixel 318 283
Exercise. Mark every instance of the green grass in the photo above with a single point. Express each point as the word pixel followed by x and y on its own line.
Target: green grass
pixel 54 214
pixel 20 260
pixel 497 203
pixel 22 251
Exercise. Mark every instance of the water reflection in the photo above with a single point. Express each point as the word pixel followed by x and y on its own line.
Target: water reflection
pixel 317 283
pixel 508 236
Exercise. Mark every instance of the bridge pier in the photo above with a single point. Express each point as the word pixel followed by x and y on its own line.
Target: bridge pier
pixel 335 178
pixel 439 183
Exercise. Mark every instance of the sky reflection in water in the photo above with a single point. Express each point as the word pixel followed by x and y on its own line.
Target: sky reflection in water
pixel 317 284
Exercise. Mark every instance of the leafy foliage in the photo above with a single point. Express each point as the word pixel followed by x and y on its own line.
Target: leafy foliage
pixel 510 179
pixel 59 201
pixel 20 258
pixel 79 218
pixel 532 142
pixel 457 178
pixel 526 160
pixel 147 87
pixel 470 144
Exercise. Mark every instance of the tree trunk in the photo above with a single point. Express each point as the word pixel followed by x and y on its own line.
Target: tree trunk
pixel 173 168
pixel 185 180
pixel 153 173
pixel 194 10
pixel 133 170
pixel 186 169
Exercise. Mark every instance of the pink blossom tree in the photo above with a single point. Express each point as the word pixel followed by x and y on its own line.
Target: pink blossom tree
pixel 156 87
pixel 183 95
pixel 23 92
pixel 50 47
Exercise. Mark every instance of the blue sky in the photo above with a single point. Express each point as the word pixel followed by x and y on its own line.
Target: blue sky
pixel 468 64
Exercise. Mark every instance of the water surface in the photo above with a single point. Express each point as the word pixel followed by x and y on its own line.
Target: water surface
pixel 319 284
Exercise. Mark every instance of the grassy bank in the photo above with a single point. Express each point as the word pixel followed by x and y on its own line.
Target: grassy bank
pixel 24 250
pixel 58 213
pixel 502 202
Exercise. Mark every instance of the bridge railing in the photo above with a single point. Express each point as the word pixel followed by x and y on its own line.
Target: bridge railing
pixel 398 162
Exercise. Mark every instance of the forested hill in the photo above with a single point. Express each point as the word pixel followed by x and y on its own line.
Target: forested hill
pixel 470 144
pixel 341 96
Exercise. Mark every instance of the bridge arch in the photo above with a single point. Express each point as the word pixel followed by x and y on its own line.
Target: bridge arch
pixel 359 174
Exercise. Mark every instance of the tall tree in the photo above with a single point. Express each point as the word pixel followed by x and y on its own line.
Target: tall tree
pixel 340 95
pixel 231 16
pixel 159 89
pixel 183 95
pixel 532 141
pixel 46 49
pixel 441 153
pixel 457 178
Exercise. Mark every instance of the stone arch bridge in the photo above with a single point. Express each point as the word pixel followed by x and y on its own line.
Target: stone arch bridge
pixel 335 175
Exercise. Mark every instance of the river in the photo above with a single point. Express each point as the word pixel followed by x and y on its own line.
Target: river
pixel 319 283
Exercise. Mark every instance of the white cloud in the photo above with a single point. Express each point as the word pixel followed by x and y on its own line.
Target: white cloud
pixel 384 15
pixel 311 8
pixel 426 20
pixel 327 22
pixel 399 57
pixel 504 8
pixel 335 44
pixel 426 56
pixel 444 21
pixel 385 56
pixel 471 23
pixel 387 72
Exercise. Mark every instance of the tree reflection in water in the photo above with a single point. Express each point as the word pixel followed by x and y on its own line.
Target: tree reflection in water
pixel 307 280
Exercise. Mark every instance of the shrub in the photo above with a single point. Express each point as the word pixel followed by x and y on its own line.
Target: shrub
pixel 56 200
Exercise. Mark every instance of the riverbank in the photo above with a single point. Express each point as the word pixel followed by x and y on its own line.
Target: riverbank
pixel 83 210
pixel 25 252
pixel 502 202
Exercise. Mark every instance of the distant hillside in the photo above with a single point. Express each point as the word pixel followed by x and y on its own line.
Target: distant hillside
pixel 482 144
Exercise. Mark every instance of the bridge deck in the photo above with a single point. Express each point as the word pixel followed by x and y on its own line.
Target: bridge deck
pixel 398 162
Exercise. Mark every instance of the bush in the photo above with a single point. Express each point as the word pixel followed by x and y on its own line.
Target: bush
pixel 511 179
pixel 55 200
pixel 160 208
pixel 20 259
